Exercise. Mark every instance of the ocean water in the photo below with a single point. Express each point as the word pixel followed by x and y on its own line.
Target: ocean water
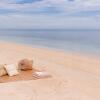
pixel 80 41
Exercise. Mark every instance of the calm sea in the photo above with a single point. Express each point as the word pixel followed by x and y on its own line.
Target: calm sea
pixel 81 41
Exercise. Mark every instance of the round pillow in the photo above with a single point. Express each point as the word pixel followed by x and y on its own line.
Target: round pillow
pixel 25 64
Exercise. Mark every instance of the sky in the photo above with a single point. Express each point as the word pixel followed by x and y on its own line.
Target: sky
pixel 49 14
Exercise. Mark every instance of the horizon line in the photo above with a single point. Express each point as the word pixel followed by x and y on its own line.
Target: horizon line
pixel 46 29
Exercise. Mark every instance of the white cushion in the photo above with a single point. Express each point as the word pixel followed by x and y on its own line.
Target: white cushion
pixel 41 74
pixel 11 70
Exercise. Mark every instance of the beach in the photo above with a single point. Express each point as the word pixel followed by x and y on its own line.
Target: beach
pixel 74 76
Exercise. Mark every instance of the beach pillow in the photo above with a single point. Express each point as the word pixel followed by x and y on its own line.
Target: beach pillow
pixel 25 64
pixel 2 70
pixel 11 70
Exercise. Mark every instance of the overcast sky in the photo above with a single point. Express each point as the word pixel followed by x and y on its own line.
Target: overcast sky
pixel 50 14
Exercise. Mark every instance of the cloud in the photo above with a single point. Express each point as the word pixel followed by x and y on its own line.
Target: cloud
pixel 50 13
pixel 26 1
pixel 67 7
pixel 48 22
pixel 19 1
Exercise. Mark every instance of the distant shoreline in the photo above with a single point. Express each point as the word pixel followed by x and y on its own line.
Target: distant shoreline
pixel 50 29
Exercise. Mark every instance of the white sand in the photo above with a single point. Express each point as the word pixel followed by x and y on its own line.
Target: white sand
pixel 74 76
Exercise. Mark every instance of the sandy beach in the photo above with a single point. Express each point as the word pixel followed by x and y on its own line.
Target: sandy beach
pixel 74 76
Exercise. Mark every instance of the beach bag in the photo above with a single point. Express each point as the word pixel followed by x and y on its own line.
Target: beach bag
pixel 25 64
pixel 2 70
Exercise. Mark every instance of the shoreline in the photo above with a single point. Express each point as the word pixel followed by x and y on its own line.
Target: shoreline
pixel 74 76
pixel 89 55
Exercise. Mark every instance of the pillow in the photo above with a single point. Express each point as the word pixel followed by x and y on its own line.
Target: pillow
pixel 11 70
pixel 41 74
pixel 25 64
pixel 2 70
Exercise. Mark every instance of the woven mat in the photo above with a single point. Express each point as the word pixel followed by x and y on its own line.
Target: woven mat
pixel 23 75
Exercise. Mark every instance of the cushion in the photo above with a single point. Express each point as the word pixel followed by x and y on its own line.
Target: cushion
pixel 41 74
pixel 2 70
pixel 25 64
pixel 11 70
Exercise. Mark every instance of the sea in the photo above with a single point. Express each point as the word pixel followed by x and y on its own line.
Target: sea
pixel 67 40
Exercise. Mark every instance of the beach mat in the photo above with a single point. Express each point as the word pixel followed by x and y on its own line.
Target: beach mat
pixel 23 75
